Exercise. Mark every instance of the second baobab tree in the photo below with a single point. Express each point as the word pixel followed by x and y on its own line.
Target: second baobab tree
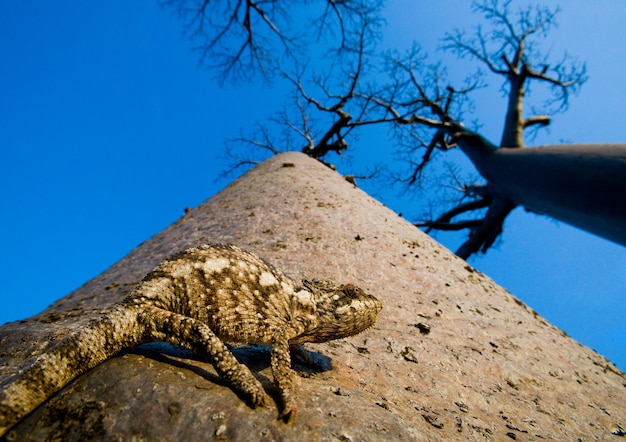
pixel 429 113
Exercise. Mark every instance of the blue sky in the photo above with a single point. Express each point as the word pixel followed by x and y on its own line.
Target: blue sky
pixel 108 130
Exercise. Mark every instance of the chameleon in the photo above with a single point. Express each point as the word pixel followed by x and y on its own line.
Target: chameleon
pixel 201 299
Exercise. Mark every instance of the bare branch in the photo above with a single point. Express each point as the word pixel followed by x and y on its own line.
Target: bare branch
pixel 537 120
pixel 339 106
pixel 240 38
pixel 244 158
pixel 349 15
pixel 459 44
pixel 509 50
pixel 484 235
pixel 463 208
pixel 446 226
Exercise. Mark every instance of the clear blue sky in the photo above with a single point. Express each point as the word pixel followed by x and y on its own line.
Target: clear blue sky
pixel 108 130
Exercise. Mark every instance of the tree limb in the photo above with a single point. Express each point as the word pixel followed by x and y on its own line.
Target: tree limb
pixel 540 120
pixel 484 235
pixel 449 226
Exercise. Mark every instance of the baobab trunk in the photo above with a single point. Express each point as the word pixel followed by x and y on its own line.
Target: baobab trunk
pixel 452 357
pixel 579 184
pixel 513 133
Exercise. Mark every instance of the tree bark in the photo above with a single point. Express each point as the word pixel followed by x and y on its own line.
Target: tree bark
pixel 582 185
pixel 513 133
pixel 452 357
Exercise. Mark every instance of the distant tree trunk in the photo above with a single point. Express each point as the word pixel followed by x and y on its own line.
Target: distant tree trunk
pixel 507 49
pixel 582 185
pixel 513 133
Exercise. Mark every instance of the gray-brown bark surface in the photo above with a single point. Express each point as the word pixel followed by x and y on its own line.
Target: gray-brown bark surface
pixel 580 184
pixel 453 355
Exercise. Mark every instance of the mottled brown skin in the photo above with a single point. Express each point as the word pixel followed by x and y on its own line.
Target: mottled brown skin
pixel 199 299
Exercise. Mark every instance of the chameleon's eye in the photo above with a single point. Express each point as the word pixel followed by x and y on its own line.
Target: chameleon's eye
pixel 351 291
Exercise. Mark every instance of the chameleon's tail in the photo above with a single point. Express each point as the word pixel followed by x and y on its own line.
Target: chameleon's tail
pixel 62 361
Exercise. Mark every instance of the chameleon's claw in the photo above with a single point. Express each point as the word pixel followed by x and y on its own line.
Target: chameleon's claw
pixel 256 396
pixel 288 415
pixel 256 400
pixel 250 388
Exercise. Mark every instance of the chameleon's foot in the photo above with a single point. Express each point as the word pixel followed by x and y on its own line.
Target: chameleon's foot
pixel 251 389
pixel 288 415
pixel 256 398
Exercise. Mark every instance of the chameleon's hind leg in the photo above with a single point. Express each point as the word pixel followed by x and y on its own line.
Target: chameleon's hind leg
pixel 199 338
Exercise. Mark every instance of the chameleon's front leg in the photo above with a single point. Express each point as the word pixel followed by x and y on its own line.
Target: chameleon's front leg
pixel 198 337
pixel 284 377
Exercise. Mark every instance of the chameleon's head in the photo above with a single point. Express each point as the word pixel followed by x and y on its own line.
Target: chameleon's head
pixel 341 311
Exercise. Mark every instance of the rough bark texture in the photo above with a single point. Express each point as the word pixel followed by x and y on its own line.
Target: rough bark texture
pixel 453 355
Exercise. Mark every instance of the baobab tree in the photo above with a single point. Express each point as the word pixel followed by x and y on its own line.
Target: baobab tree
pixel 578 184
pixel 509 50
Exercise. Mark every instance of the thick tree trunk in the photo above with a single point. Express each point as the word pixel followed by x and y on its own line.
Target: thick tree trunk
pixel 582 185
pixel 452 357
pixel 513 133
